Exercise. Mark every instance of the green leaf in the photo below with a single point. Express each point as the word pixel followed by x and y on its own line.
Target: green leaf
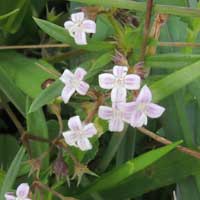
pixel 13 93
pixel 47 95
pixel 62 35
pixel 12 173
pixel 140 6
pixel 37 125
pixel 122 173
pixel 25 72
pixel 175 81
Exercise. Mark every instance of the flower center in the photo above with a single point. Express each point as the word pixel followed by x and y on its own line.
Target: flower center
pixel 142 107
pixel 75 82
pixel 117 114
pixel 119 81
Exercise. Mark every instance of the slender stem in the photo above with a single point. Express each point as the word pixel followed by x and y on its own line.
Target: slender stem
pixel 38 139
pixel 179 44
pixel 149 7
pixel 166 141
pixel 13 117
pixel 37 46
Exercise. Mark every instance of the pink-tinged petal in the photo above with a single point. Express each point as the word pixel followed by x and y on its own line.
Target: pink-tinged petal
pixel 70 138
pixel 132 82
pixel 154 110
pixel 82 88
pixel 68 25
pixel 9 196
pixel 80 38
pixel 120 71
pixel 22 190
pixel 80 73
pixel 106 81
pixel 84 144
pixel 74 123
pixel 118 94
pixel 77 17
pixel 138 119
pixel 89 26
pixel 89 130
pixel 105 112
pixel 128 107
pixel 116 125
pixel 145 95
pixel 67 92
pixel 66 76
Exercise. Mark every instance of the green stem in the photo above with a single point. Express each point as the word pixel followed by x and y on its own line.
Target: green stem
pixel 140 6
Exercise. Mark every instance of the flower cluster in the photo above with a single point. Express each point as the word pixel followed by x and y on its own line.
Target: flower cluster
pixel 134 113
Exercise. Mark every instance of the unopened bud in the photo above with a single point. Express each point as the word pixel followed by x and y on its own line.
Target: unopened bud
pixel 120 59
pixel 47 83
pixel 140 70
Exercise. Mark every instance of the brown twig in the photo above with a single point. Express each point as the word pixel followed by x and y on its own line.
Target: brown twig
pixel 149 7
pixel 179 44
pixel 37 46
pixel 166 141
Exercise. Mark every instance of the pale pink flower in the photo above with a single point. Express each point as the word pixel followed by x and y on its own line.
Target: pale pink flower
pixel 73 82
pixel 78 26
pixel 79 133
pixel 142 108
pixel 119 82
pixel 21 193
pixel 116 116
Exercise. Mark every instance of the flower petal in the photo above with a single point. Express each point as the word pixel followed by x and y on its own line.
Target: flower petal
pixel 70 138
pixel 22 190
pixel 154 110
pixel 80 73
pixel 132 82
pixel 82 88
pixel 67 92
pixel 68 25
pixel 138 119
pixel 80 38
pixel 118 94
pixel 84 144
pixel 145 95
pixel 89 130
pixel 9 196
pixel 120 71
pixel 74 123
pixel 106 81
pixel 105 112
pixel 89 26
pixel 77 17
pixel 116 124
pixel 66 76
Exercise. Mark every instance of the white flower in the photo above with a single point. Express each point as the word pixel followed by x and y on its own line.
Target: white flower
pixel 78 26
pixel 119 82
pixel 79 133
pixel 142 108
pixel 21 193
pixel 73 82
pixel 116 116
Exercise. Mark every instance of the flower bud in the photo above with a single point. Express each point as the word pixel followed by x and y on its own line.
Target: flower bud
pixel 120 59
pixel 140 70
pixel 47 83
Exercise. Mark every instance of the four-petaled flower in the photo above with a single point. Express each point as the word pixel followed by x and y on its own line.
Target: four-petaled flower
pixel 115 115
pixel 79 133
pixel 119 82
pixel 142 108
pixel 73 82
pixel 21 193
pixel 78 26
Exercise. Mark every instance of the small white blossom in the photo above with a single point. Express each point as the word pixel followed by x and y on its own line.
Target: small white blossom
pixel 73 82
pixel 119 82
pixel 78 26
pixel 21 193
pixel 79 133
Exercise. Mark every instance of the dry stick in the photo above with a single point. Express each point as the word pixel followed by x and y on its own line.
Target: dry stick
pixel 37 46
pixel 179 44
pixel 165 141
pixel 149 7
